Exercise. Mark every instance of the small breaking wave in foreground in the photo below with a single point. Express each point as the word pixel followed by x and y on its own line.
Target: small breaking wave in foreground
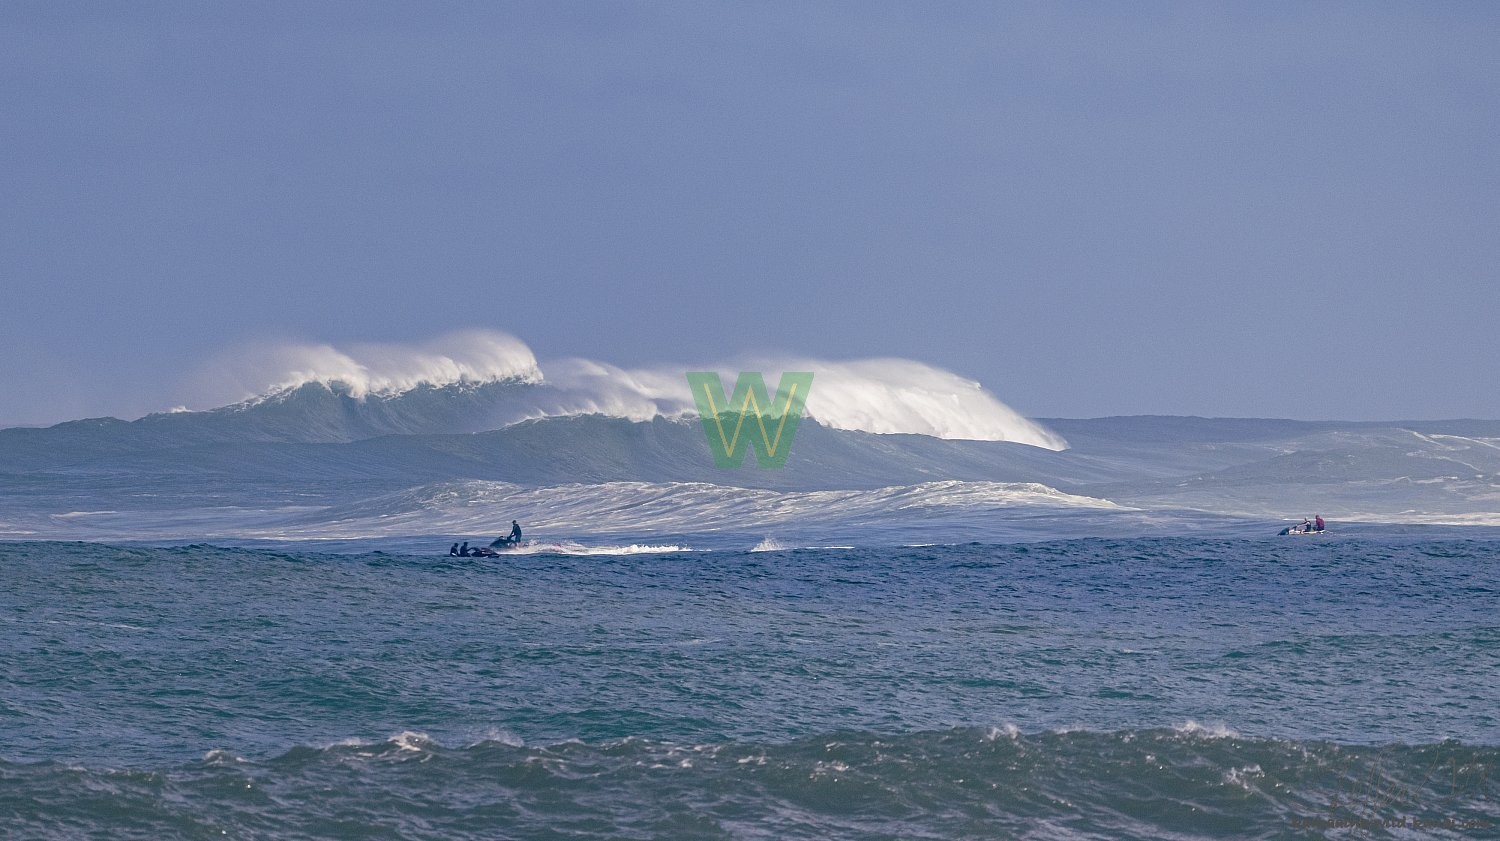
pixel 969 782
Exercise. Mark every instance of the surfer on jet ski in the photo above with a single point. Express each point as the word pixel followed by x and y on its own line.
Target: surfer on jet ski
pixel 510 540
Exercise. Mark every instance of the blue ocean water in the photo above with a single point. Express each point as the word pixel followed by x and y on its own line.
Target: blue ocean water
pixel 1132 687
pixel 243 623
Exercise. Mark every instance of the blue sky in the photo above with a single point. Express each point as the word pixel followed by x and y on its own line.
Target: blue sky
pixel 1252 209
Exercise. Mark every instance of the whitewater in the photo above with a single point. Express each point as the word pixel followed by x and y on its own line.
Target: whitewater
pixel 940 620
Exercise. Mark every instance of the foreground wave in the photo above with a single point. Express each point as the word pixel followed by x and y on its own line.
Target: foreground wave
pixel 782 693
pixel 967 782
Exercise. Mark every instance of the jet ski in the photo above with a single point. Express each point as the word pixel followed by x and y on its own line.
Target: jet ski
pixel 500 547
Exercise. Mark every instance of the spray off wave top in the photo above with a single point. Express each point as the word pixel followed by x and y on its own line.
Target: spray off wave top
pixel 263 371
pixel 871 395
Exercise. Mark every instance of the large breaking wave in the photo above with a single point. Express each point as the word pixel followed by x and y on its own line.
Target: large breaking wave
pixel 870 395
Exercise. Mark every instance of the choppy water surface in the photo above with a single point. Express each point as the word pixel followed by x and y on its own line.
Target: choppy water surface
pixel 1135 688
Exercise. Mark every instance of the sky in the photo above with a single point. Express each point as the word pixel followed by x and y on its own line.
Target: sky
pixel 1252 209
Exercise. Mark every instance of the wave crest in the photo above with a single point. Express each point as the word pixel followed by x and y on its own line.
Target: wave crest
pixel 362 370
pixel 884 396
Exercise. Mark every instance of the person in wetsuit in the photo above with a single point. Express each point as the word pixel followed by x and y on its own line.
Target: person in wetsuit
pixel 506 541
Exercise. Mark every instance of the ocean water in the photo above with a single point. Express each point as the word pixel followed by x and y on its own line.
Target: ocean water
pixel 1199 686
pixel 242 623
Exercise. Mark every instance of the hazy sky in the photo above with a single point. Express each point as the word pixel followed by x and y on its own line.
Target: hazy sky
pixel 1257 209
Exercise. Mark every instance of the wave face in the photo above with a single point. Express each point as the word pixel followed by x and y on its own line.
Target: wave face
pixel 231 472
pixel 960 783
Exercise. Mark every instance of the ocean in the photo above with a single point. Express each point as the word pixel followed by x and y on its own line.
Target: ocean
pixel 1142 687
pixel 244 623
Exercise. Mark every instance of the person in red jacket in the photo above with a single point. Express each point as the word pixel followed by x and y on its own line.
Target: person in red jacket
pixel 1318 523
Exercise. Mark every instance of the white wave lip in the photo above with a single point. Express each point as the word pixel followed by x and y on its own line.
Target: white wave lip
pixel 902 396
pixel 362 370
pixel 883 396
